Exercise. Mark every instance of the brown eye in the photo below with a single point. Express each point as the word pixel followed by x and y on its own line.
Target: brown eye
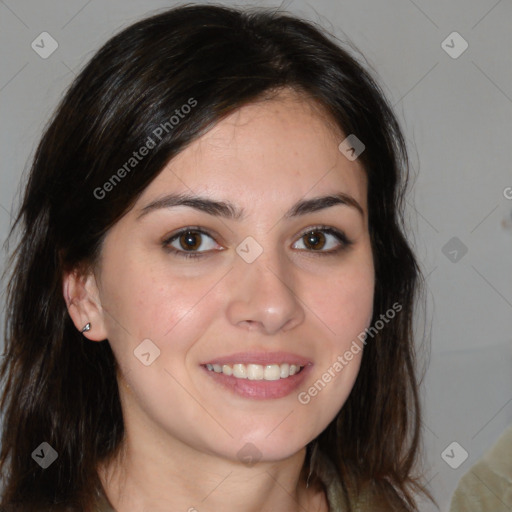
pixel 314 240
pixel 191 243
pixel 190 240
pixel 323 241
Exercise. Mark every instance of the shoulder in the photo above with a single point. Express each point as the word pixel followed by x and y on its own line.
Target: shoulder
pixel 367 500
pixel 488 484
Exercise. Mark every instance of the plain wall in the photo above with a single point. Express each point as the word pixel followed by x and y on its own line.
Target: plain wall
pixel 457 117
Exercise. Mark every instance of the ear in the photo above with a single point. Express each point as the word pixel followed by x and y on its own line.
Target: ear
pixel 81 294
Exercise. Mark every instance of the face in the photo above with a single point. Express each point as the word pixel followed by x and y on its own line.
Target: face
pixel 231 267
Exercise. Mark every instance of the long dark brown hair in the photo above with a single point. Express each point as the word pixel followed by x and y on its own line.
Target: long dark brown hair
pixel 61 390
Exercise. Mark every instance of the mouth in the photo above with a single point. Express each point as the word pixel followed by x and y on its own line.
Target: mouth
pixel 259 376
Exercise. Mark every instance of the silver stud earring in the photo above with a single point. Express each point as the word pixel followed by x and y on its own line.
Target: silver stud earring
pixel 86 328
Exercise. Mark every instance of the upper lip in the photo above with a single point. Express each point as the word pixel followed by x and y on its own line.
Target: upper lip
pixel 263 358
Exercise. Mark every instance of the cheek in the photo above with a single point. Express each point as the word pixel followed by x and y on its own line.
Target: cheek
pixel 344 302
pixel 154 303
pixel 149 301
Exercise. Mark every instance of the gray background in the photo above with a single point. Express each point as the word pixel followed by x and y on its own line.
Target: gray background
pixel 457 117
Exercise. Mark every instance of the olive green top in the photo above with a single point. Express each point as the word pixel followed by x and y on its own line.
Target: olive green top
pixel 488 484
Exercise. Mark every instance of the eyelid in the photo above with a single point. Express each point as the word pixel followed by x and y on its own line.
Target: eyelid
pixel 199 229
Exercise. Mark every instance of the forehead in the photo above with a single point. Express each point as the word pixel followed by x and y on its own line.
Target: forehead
pixel 266 152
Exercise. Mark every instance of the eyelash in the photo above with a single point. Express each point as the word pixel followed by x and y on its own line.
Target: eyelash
pixel 339 235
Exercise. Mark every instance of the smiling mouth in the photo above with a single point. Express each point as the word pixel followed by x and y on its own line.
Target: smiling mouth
pixel 259 374
pixel 269 372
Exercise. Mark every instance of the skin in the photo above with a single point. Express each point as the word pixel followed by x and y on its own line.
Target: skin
pixel 183 431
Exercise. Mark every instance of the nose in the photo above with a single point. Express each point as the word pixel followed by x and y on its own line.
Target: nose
pixel 262 297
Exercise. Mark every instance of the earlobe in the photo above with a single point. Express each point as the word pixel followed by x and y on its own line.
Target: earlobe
pixel 81 296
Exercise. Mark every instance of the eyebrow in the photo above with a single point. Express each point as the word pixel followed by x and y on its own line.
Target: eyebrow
pixel 228 210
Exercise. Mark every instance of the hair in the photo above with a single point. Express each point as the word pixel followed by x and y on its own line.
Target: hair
pixel 215 59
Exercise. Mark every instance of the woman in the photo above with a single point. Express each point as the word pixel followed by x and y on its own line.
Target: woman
pixel 211 302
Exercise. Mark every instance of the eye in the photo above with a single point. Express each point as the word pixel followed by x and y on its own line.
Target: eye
pixel 323 239
pixel 190 243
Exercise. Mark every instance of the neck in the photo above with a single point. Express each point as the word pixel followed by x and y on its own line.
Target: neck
pixel 144 479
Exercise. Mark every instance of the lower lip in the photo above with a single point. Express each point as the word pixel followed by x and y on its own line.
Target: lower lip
pixel 261 389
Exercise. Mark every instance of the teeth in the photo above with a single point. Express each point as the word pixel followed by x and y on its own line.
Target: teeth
pixel 240 371
pixel 272 372
pixel 256 371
